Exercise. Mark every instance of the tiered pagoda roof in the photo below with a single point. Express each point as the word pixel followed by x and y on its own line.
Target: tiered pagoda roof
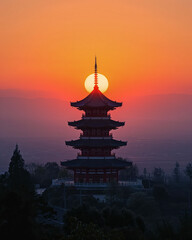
pixel 97 142
pixel 91 123
pixel 96 99
pixel 96 163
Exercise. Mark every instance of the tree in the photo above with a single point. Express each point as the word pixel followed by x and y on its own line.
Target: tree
pixel 18 210
pixel 19 177
pixel 143 204
pixel 20 206
pixel 44 174
pixel 52 169
pixel 130 173
pixel 176 172
pixel 158 175
pixel 86 231
pixel 17 162
pixel 188 172
pixel 145 172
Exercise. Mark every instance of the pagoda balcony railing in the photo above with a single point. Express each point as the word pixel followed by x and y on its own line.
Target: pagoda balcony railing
pixel 110 136
pixel 137 183
pixel 108 116
pixel 86 135
pixel 95 157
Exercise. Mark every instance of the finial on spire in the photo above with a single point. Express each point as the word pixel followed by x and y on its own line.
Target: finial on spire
pixel 96 80
pixel 95 64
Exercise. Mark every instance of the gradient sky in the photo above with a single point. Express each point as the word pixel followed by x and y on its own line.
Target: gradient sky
pixel 143 46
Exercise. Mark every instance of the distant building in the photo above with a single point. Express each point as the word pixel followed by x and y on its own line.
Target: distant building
pixel 96 164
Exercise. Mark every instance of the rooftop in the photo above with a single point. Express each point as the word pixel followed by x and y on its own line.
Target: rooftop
pixel 96 143
pixel 96 99
pixel 100 123
pixel 96 163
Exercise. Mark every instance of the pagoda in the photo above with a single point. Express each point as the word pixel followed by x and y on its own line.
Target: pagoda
pixel 95 163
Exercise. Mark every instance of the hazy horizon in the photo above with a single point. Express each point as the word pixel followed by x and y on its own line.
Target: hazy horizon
pixel 157 128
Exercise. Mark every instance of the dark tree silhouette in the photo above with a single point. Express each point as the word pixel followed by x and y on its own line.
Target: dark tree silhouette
pixel 18 210
pixel 176 172
pixel 158 175
pixel 19 177
pixel 17 162
pixel 188 172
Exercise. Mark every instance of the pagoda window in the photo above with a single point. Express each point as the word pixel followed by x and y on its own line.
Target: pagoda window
pixel 83 171
pixel 85 152
pixel 105 132
pixel 86 132
pixel 101 180
pixel 80 180
pixel 93 131
pixel 98 132
pixel 90 180
pixel 88 113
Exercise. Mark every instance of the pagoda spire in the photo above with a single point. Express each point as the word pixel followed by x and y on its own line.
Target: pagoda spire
pixel 96 76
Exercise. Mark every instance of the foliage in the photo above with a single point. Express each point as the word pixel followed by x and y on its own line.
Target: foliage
pixel 166 231
pixel 20 206
pixel 158 175
pixel 176 172
pixel 17 216
pixel 19 177
pixel 143 204
pixel 145 172
pixel 84 231
pixel 126 215
pixel 188 170
pixel 160 192
pixel 44 174
pixel 130 173
pixel 107 218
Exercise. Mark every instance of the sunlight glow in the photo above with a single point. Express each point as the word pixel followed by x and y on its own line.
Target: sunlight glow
pixel 102 83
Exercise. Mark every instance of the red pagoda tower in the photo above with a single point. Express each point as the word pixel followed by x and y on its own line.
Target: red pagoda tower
pixel 96 163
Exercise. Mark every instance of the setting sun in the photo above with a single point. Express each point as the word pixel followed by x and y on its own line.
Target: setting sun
pixel 102 82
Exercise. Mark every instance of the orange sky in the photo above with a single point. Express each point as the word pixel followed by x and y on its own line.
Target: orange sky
pixel 143 46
